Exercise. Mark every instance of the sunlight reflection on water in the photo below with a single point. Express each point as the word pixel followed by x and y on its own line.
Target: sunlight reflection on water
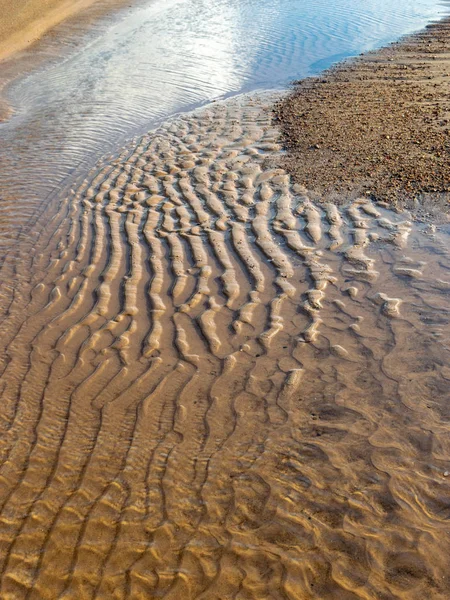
pixel 159 58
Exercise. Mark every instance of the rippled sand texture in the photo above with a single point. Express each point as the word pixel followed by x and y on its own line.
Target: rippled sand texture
pixel 213 388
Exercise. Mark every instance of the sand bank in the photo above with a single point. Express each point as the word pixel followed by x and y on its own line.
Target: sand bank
pixel 378 124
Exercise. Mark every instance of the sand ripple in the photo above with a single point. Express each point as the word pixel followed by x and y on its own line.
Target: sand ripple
pixel 214 388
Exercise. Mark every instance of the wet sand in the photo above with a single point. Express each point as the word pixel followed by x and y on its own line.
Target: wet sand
pixel 378 124
pixel 214 387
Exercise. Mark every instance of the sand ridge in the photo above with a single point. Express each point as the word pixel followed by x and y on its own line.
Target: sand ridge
pixel 213 387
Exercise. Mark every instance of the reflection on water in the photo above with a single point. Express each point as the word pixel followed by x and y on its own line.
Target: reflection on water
pixel 159 58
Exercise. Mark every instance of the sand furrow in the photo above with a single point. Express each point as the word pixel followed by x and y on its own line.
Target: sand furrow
pixel 205 382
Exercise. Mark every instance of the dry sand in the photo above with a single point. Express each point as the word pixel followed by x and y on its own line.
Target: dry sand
pixel 25 21
pixel 214 388
pixel 378 124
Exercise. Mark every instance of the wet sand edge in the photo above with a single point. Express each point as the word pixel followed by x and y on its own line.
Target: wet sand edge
pixel 26 36
pixel 27 22
pixel 376 125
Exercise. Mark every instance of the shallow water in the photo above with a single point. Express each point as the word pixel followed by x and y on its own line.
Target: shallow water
pixel 157 58
pixel 215 389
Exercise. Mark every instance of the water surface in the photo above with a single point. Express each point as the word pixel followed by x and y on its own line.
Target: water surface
pixel 157 58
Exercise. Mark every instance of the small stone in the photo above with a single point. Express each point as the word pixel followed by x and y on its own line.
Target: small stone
pixel 446 473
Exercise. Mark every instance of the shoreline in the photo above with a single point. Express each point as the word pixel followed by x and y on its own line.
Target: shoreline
pixel 377 124
pixel 29 22
pixel 46 53
pixel 37 31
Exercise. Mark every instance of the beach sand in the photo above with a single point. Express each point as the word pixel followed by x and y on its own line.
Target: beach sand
pixel 25 21
pixel 215 387
pixel 378 124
